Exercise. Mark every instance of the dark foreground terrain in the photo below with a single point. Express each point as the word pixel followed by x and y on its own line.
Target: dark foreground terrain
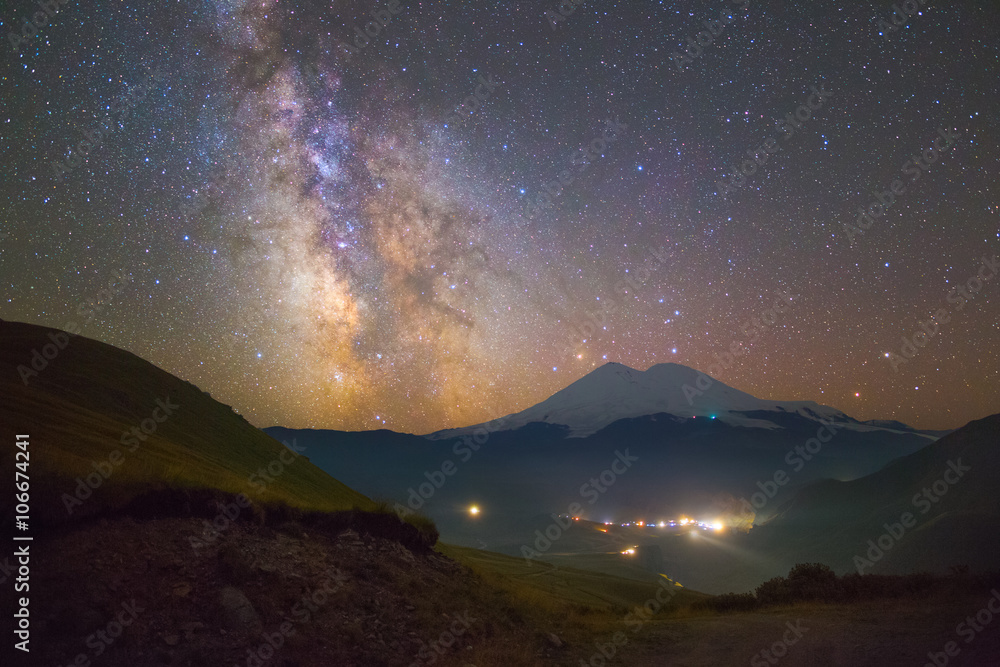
pixel 164 591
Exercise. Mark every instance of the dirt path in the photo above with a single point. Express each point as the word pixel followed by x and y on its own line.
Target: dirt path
pixel 875 635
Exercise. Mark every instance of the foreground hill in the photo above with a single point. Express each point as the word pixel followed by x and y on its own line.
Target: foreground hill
pixel 94 411
pixel 293 593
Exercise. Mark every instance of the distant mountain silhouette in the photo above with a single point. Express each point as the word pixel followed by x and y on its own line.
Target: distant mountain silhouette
pixel 951 489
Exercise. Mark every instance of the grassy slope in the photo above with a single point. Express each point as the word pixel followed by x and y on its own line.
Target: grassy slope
pixel 580 607
pixel 77 409
pixel 564 585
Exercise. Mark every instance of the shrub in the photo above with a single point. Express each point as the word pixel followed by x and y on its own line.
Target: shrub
pixel 774 591
pixel 813 581
pixel 817 582
pixel 426 528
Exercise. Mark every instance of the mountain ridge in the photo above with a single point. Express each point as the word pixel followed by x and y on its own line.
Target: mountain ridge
pixel 615 391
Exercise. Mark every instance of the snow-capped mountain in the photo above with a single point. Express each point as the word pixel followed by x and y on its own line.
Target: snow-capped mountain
pixel 538 458
pixel 615 391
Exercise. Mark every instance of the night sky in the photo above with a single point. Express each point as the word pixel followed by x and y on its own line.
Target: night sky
pixel 303 227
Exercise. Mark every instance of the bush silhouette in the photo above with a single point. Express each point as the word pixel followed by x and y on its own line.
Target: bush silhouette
pixel 817 582
pixel 813 581
pixel 774 591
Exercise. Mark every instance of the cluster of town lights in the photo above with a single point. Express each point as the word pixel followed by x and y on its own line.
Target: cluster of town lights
pixel 683 522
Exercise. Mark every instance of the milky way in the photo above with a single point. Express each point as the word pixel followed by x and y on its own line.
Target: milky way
pixel 312 236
